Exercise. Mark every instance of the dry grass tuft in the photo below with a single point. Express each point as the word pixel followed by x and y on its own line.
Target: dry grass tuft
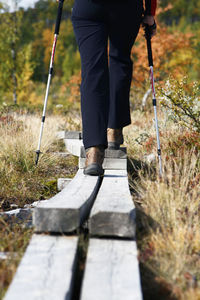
pixel 22 182
pixel 168 212
pixel 14 240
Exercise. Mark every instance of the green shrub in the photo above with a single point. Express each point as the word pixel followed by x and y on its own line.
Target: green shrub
pixel 182 102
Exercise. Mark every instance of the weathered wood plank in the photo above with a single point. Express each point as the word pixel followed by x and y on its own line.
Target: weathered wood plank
pixel 113 158
pixel 73 146
pixel 113 213
pixel 62 183
pixel 112 271
pixel 60 134
pixel 19 215
pixel 66 211
pixel 69 135
pixel 46 269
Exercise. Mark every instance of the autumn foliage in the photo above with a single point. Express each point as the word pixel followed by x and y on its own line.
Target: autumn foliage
pixel 172 52
pixel 175 49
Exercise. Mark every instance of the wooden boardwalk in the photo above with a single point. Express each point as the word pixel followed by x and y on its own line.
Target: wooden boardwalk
pixel 111 271
pixel 49 267
pixel 46 269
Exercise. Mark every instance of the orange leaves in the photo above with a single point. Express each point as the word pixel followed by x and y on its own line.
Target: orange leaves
pixel 172 52
pixel 73 86
pixel 160 9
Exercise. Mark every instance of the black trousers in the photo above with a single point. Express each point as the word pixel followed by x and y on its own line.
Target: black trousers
pixel 106 73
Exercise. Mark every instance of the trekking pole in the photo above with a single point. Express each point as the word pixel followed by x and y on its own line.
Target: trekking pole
pixel 56 33
pixel 150 59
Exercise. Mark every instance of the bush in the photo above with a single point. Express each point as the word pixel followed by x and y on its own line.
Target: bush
pixel 182 102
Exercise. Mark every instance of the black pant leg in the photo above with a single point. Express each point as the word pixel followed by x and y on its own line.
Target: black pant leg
pixel 92 38
pixel 124 23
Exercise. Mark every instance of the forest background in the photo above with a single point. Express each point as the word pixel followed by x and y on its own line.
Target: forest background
pixel 25 45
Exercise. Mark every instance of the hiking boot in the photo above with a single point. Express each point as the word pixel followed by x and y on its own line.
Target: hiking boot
pixel 94 161
pixel 115 138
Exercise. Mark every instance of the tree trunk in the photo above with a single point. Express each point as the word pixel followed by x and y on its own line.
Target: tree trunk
pixel 14 54
pixel 14 78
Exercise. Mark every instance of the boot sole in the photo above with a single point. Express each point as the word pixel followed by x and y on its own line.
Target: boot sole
pixel 93 170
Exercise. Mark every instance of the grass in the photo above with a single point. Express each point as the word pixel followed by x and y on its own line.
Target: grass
pixel 22 182
pixel 14 240
pixel 168 211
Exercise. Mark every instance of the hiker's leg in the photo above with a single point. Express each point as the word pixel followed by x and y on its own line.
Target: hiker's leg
pixel 92 37
pixel 124 23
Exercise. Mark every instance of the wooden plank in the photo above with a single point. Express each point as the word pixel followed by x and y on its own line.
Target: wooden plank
pixel 73 135
pixel 73 146
pixel 46 269
pixel 108 163
pixel 69 135
pixel 60 134
pixel 66 211
pixel 19 215
pixel 113 213
pixel 112 271
pixel 62 183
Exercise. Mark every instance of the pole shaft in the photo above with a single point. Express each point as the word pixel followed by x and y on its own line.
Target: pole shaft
pixel 59 14
pixel 155 106
pixel 149 49
pixel 150 59
pixel 57 27
pixel 40 136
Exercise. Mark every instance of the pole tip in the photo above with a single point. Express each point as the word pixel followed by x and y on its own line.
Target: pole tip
pixel 37 156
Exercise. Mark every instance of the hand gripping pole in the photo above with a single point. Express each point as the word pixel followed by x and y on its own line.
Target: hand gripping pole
pixel 56 33
pixel 150 59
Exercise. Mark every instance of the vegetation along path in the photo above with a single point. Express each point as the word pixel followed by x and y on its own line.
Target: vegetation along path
pixel 111 259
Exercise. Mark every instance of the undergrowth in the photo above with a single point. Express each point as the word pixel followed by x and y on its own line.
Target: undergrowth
pixel 22 182
pixel 168 214
pixel 14 239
